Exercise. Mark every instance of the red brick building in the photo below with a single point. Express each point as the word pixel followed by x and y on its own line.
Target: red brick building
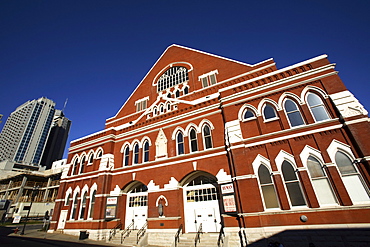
pixel 206 140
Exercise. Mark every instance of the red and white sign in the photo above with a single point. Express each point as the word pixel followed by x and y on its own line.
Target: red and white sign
pixel 111 200
pixel 227 188
pixel 229 203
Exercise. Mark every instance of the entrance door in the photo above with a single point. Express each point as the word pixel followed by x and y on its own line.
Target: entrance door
pixel 201 207
pixel 208 219
pixel 62 219
pixel 137 209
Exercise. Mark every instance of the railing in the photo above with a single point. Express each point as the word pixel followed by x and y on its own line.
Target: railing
pixel 127 231
pixel 177 236
pixel 221 237
pixel 141 232
pixel 197 237
pixel 113 231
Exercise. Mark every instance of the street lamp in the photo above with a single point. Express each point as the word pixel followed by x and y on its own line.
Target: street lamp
pixel 34 191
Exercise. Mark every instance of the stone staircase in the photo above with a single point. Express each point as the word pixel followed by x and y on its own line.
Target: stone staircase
pixel 206 240
pixel 128 241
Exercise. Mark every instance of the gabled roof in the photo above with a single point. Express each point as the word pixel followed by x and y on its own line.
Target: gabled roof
pixel 197 62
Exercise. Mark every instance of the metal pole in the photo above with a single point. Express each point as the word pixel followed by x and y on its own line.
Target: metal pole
pixel 34 191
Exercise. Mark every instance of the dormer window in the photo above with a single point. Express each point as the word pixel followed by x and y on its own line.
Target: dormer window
pixel 172 77
pixel 208 79
pixel 141 104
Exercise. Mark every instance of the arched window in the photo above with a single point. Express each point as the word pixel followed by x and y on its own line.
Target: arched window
pixel 74 207
pixel 267 187
pixel 186 90
pixel 269 112
pixel 68 197
pixel 180 143
pixel 91 158
pixel 136 154
pixel 100 154
pixel 155 111
pixel 82 164
pixel 248 114
pixel 293 113
pixel 207 136
pixel 146 152
pixel 171 77
pixel 74 168
pixel 126 156
pixel 292 185
pixel 317 107
pixel 351 178
pixel 177 94
pixel 193 141
pixel 320 182
pixel 83 206
pixel 92 204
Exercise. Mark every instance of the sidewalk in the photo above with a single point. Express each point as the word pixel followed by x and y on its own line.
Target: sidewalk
pixel 33 231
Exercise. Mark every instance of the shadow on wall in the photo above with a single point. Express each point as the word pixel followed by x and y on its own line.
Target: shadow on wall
pixel 346 237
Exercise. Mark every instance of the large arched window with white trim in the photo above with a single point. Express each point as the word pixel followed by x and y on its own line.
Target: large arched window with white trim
pixel 293 113
pixel 207 136
pixel 180 143
pixel 320 182
pixel 269 112
pixel 136 154
pixel 267 188
pixel 126 155
pixel 74 167
pixel 92 204
pixel 193 140
pixel 317 107
pixel 74 206
pixel 146 151
pixel 351 178
pixel 248 114
pixel 292 185
pixel 91 158
pixel 82 164
pixel 172 77
pixel 83 205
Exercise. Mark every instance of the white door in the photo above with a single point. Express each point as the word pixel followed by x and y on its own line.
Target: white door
pixel 62 219
pixel 208 219
pixel 201 206
pixel 137 209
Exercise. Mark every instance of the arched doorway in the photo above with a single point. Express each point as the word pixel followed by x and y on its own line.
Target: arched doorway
pixel 201 204
pixel 136 205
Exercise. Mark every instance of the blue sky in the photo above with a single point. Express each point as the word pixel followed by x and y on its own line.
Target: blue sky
pixel 96 52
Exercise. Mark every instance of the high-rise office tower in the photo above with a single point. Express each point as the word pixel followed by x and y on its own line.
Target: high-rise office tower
pixel 57 139
pixel 25 133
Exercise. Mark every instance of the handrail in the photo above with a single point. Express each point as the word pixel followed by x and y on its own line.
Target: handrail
pixel 125 233
pixel 141 232
pixel 113 231
pixel 197 237
pixel 221 237
pixel 177 236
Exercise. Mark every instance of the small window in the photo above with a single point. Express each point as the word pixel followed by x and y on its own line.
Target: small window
pixel 248 114
pixel 269 112
pixel 83 206
pixel 100 154
pixel 146 152
pixel 193 141
pixel 91 158
pixel 186 90
pixel 177 94
pixel 207 137
pixel 180 143
pixel 317 107
pixel 74 168
pixel 82 164
pixel 74 207
pixel 66 202
pixel 209 79
pixel 141 104
pixel 293 113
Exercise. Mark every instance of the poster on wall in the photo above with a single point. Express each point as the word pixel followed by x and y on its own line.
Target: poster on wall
pixel 111 208
pixel 228 198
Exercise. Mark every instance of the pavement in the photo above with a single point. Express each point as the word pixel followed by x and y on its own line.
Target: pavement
pixel 33 232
